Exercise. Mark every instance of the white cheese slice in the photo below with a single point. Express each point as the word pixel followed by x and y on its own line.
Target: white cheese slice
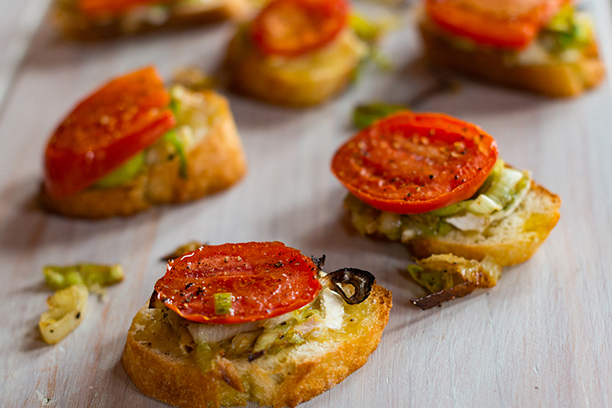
pixel 333 309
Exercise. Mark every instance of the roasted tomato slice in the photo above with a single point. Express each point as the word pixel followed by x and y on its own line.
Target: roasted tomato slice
pixel 107 8
pixel 295 27
pixel 263 280
pixel 509 24
pixel 106 129
pixel 411 163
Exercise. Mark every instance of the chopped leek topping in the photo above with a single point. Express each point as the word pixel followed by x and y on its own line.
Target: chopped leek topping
pixel 452 209
pixel 67 308
pixel 444 228
pixel 126 172
pixel 448 276
pixel 369 32
pixel 504 184
pixel 175 106
pixel 204 356
pixel 223 303
pixel 365 115
pixel 365 29
pixel 90 275
pixel 568 29
pixel 484 205
pixel 176 142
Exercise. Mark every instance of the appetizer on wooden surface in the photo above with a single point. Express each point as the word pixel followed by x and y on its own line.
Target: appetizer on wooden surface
pixel 133 144
pixel 256 321
pixel 296 52
pixel 543 46
pixel 436 183
pixel 100 19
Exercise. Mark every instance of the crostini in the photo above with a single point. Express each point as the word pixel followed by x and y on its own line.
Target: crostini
pixel 133 144
pixel 543 46
pixel 100 19
pixel 255 321
pixel 296 52
pixel 436 183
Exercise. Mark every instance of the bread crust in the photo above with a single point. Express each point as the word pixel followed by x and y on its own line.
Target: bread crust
pixel 554 80
pixel 509 241
pixel 252 74
pixel 77 27
pixel 509 252
pixel 177 381
pixel 215 163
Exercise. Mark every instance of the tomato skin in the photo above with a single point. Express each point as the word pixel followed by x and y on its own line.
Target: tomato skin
pixel 113 124
pixel 266 279
pixel 106 8
pixel 504 29
pixel 411 163
pixel 291 28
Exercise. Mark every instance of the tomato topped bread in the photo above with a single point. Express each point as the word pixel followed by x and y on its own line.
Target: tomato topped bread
pixel 133 144
pixel 296 52
pixel 543 46
pixel 255 321
pixel 437 184
pixel 100 19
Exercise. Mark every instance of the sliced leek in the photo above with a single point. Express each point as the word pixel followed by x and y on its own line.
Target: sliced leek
pixel 90 275
pixel 501 190
pixel 67 308
pixel 223 303
pixel 484 205
pixel 205 356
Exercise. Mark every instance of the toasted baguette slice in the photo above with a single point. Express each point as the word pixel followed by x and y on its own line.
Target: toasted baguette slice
pixel 160 368
pixel 76 26
pixel 214 163
pixel 561 79
pixel 299 81
pixel 509 241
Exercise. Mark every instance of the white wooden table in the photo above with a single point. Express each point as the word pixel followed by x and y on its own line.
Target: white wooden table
pixel 542 337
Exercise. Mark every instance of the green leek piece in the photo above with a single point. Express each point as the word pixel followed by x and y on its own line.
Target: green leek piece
pixel 273 341
pixel 172 138
pixel 499 189
pixel 304 313
pixel 90 275
pixel 223 303
pixel 365 29
pixel 128 171
pixel 503 186
pixel 175 106
pixel 484 205
pixel 67 308
pixel 441 272
pixel 444 228
pixel 205 357
pixel 453 209
pixel 568 29
pixel 383 61
pixel 365 115
pixel 499 166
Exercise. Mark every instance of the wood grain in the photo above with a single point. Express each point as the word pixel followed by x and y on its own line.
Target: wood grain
pixel 540 338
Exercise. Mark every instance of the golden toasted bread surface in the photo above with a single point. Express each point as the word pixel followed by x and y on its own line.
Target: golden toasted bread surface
pixel 508 241
pixel 300 81
pixel 76 26
pixel 560 79
pixel 214 163
pixel 160 368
